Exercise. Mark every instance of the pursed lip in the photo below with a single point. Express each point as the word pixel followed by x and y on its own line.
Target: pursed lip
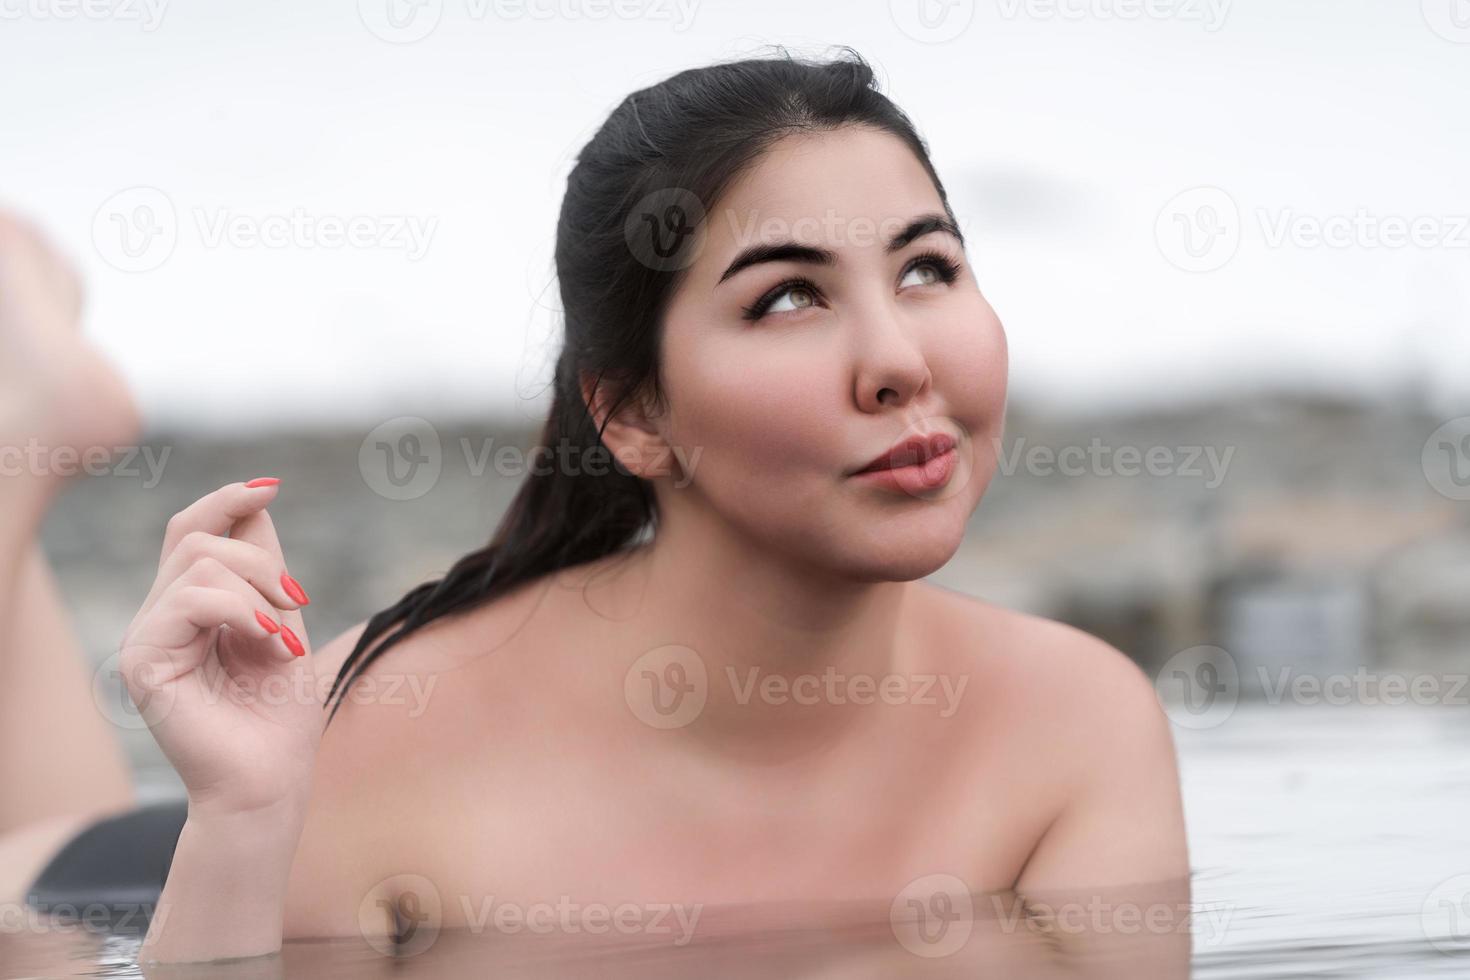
pixel 909 452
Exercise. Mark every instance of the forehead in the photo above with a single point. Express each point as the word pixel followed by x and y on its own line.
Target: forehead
pixel 810 187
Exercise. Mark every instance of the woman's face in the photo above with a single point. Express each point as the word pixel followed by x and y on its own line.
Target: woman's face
pixel 783 389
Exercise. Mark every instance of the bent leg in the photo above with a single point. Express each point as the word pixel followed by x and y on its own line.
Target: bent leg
pixel 25 851
pixel 59 754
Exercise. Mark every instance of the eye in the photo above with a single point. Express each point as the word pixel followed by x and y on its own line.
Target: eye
pixel 926 273
pixel 930 268
pixel 802 293
pixel 799 299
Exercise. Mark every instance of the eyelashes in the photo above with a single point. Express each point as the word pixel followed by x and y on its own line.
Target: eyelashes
pixel 946 268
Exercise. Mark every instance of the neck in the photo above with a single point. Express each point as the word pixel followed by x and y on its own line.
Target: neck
pixel 788 648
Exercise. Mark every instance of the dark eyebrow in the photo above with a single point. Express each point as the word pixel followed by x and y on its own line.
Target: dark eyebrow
pixel 793 252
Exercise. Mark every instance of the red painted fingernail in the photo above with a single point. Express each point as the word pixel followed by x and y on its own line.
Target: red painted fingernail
pixel 263 481
pixel 292 644
pixel 294 590
pixel 265 621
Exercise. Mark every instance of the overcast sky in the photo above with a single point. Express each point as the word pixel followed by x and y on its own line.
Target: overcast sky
pixel 1324 146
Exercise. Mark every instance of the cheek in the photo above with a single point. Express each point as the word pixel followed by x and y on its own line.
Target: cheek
pixel 970 376
pixel 752 409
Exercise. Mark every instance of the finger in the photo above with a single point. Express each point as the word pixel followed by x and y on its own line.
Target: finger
pixel 210 573
pixel 215 513
pixel 186 611
pixel 213 573
pixel 258 529
pixel 206 608
pixel 251 562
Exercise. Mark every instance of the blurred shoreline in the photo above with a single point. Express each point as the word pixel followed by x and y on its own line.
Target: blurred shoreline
pixel 1303 535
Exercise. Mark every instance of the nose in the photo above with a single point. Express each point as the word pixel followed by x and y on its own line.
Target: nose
pixel 891 369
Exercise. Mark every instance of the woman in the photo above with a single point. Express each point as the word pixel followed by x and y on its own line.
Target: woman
pixel 709 673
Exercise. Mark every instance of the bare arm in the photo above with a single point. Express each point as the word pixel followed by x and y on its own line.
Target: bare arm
pixel 1124 821
pixel 239 884
pixel 1110 876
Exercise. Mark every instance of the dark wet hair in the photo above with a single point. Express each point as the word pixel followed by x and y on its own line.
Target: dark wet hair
pixel 683 140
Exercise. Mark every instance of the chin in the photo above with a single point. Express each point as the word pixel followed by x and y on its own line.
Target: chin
pixel 909 548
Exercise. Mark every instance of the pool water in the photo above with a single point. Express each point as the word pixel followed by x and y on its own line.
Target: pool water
pixel 1335 836
pixel 1326 841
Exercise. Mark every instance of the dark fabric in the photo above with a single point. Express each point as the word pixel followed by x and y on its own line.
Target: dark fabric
pixel 114 870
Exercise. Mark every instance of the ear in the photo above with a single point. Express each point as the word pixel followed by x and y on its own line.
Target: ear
pixel 631 434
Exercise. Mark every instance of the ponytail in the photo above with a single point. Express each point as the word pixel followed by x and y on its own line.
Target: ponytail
pixel 558 518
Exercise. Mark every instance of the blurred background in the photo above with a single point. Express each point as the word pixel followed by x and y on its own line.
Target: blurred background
pixel 1230 242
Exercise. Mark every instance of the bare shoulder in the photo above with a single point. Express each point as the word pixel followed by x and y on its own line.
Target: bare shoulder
pixel 1048 672
pixel 1088 717
pixel 1035 645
